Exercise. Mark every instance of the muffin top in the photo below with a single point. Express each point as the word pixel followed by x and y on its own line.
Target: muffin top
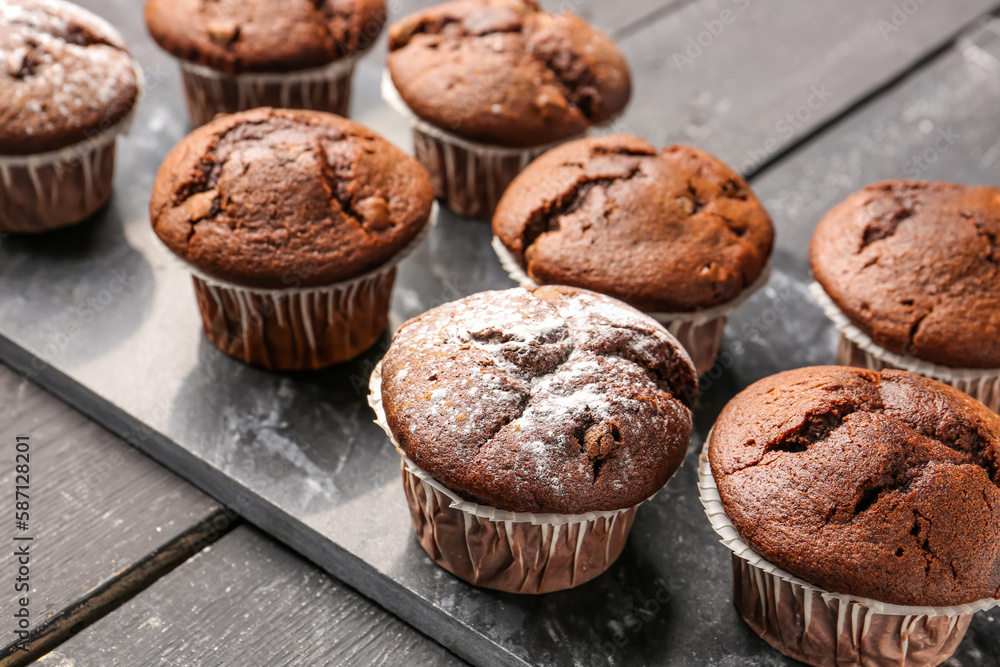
pixel 66 76
pixel 235 36
pixel 879 485
pixel 505 72
pixel 550 399
pixel 278 198
pixel 916 266
pixel 671 231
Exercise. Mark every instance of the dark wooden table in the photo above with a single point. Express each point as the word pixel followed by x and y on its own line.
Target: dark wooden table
pixel 806 98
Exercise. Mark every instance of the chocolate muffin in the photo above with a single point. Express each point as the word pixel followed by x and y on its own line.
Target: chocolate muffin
pixel 879 485
pixel 671 231
pixel 506 72
pixel 239 55
pixel 483 75
pixel 544 400
pixel 292 203
pixel 69 84
pixel 916 266
pixel 553 401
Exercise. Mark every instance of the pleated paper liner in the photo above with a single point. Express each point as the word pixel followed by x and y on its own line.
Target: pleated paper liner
pixel 469 176
pixel 300 328
pixel 856 348
pixel 825 629
pixel 699 332
pixel 517 552
pixel 44 191
pixel 209 91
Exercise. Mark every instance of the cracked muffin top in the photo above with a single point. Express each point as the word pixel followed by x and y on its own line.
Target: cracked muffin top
pixel 550 399
pixel 279 198
pixel 879 485
pixel 916 266
pixel 670 231
pixel 235 36
pixel 506 72
pixel 65 75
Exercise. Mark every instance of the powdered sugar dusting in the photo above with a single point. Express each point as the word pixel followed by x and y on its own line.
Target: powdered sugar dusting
pixel 60 66
pixel 537 391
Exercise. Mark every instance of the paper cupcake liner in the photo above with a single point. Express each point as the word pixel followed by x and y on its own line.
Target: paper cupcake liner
pixel 517 552
pixel 469 176
pixel 825 629
pixel 300 328
pixel 53 189
pixel 210 92
pixel 856 348
pixel 699 332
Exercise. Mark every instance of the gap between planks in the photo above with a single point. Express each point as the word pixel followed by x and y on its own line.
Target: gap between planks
pixel 125 585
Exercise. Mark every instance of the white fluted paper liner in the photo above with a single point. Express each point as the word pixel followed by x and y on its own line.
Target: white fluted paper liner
pixel 468 507
pixel 988 379
pixel 712 502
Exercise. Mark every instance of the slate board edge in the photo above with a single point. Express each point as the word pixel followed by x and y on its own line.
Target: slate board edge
pixel 326 554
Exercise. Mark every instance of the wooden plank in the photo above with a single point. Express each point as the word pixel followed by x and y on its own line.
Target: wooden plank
pixel 248 600
pixel 104 519
pixel 746 79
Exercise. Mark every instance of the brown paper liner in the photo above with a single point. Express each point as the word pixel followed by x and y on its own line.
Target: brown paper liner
pixel 470 177
pixel 53 193
pixel 517 552
pixel 470 181
pixel 701 340
pixel 209 92
pixel 826 629
pixel 832 633
pixel 513 556
pixel 300 330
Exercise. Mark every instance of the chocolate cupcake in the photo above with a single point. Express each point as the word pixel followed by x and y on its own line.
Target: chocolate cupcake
pixel 69 87
pixel 490 84
pixel 239 55
pixel 863 512
pixel 292 223
pixel 675 233
pixel 532 423
pixel 910 274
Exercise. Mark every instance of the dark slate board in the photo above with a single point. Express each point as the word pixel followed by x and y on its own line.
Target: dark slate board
pixel 297 454
pixel 249 601
pixel 104 518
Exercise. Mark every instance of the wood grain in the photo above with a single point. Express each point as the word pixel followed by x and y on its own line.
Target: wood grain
pixel 104 518
pixel 747 80
pixel 248 600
